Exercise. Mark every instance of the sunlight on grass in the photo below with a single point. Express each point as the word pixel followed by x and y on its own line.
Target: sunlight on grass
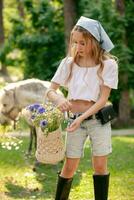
pixel 18 180
pixel 5 128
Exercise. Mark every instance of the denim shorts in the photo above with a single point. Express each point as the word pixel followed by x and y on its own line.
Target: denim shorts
pixel 98 134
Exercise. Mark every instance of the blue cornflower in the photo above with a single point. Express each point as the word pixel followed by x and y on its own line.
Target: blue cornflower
pixel 30 108
pixel 33 107
pixel 43 123
pixel 33 117
pixel 41 110
pixel 36 106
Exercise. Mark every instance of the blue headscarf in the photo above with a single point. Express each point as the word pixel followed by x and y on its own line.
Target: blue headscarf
pixel 95 28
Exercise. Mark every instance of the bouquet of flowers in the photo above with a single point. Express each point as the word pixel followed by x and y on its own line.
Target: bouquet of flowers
pixel 50 143
pixel 48 117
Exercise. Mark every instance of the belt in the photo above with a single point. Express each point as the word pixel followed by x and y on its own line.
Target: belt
pixel 88 118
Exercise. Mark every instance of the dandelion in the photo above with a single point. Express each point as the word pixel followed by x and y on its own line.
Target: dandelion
pixel 20 142
pixel 14 144
pixel 17 147
pixel 9 147
pixel 29 174
pixel 11 144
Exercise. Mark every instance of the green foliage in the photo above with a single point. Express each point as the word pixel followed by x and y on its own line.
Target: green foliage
pixel 11 43
pixel 43 41
pixel 119 28
pixel 39 36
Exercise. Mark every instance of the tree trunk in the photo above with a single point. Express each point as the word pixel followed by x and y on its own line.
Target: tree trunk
pixel 120 6
pixel 1 24
pixel 3 67
pixel 124 103
pixel 20 8
pixel 124 107
pixel 69 18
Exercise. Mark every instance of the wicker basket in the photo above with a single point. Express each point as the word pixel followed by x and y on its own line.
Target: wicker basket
pixel 50 148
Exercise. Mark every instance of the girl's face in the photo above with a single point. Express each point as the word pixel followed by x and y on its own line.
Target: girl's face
pixel 80 44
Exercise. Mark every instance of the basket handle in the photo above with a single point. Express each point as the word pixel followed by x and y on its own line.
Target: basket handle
pixel 45 100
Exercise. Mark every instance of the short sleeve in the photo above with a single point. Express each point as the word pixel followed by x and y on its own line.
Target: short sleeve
pixel 62 72
pixel 110 74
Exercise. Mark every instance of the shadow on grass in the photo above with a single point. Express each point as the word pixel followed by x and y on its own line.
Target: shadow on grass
pixel 51 175
pixel 29 190
pixel 120 163
pixel 16 191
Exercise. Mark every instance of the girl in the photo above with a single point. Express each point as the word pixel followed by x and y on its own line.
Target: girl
pixel 89 72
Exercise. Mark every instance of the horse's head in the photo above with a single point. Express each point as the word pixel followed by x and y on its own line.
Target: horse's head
pixel 4 120
pixel 8 108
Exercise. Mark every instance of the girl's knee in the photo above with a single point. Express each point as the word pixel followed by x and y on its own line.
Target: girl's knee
pixel 100 165
pixel 70 167
pixel 100 169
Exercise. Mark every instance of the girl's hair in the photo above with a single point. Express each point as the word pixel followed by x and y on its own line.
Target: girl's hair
pixel 97 53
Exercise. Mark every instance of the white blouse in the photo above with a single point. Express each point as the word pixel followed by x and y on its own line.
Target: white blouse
pixel 85 83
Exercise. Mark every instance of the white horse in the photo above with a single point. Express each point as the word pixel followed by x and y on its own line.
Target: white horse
pixel 16 96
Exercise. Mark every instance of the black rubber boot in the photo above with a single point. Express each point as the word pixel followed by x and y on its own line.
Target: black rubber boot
pixel 63 188
pixel 101 184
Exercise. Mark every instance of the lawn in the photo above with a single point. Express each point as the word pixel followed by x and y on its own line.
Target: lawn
pixel 18 180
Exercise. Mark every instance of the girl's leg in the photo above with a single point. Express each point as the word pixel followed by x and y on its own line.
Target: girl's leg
pixel 101 147
pixel 70 166
pixel 100 177
pixel 74 151
pixel 99 165
pixel 65 178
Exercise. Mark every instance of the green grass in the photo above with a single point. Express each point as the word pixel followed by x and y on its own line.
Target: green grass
pixel 19 181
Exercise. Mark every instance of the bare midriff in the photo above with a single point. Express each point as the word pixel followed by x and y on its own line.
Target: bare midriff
pixel 80 105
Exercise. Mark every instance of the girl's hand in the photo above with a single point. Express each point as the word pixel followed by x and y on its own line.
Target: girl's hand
pixel 75 125
pixel 63 104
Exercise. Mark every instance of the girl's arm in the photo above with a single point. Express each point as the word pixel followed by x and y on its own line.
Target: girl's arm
pixel 105 92
pixel 62 103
